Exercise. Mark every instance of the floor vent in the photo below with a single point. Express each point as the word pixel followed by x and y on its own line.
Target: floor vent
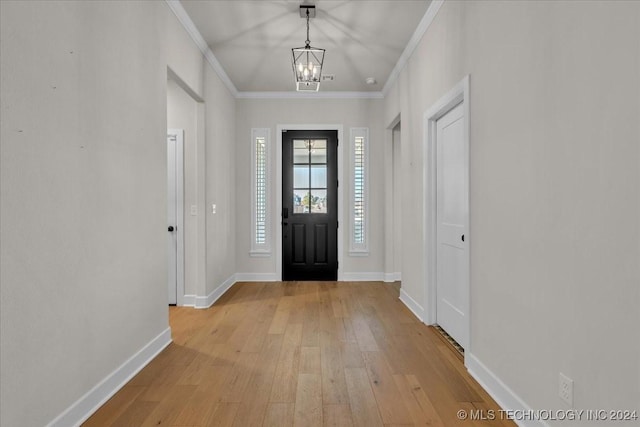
pixel 446 337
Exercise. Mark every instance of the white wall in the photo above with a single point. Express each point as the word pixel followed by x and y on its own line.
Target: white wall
pixel 183 56
pixel 268 113
pixel 555 189
pixel 83 182
pixel 220 182
pixel 83 179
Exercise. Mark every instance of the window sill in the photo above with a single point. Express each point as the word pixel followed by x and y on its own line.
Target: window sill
pixel 260 254
pixel 361 253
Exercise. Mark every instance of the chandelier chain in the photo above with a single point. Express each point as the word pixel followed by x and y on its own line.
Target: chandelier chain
pixel 308 42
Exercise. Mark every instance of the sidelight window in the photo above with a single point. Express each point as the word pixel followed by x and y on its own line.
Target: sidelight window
pixel 359 245
pixel 260 168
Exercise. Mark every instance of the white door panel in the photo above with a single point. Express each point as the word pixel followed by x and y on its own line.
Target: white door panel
pixel 452 213
pixel 175 214
pixel 172 218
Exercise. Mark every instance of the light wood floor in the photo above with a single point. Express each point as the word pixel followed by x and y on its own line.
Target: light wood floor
pixel 302 354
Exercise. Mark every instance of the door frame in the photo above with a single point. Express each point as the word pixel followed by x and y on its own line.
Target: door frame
pixel 179 134
pixel 391 271
pixel 459 94
pixel 278 207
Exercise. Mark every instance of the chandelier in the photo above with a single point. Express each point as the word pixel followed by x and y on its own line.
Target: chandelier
pixel 307 60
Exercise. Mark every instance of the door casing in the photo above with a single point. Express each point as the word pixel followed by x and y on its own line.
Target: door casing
pixel 459 94
pixel 278 218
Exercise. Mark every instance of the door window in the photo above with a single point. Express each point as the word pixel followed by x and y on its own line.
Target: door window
pixel 310 176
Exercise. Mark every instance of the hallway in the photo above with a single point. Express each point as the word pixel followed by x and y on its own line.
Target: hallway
pixel 304 354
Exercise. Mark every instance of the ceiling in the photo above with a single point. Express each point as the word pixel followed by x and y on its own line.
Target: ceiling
pixel 252 40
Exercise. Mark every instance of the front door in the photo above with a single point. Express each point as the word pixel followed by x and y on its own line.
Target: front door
pixel 452 216
pixel 309 205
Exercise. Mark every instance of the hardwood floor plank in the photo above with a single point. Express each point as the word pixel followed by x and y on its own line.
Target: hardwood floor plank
pixel 364 408
pixel 334 386
pixel 168 409
pixel 390 404
pixel 308 408
pixel 455 382
pixel 309 360
pixel 115 406
pixel 311 325
pixel 345 330
pixel 254 403
pixel 351 355
pixel 365 338
pixel 279 415
pixel 281 317
pixel 336 416
pixel 194 413
pixel 135 414
pixel 258 334
pixel 239 378
pixel 345 354
pixel 223 415
pixel 286 376
pixel 420 407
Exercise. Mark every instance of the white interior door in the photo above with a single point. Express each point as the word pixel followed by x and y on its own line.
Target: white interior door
pixel 175 262
pixel 452 216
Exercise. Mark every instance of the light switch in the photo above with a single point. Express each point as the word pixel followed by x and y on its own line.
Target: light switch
pixel 213 208
pixel 194 210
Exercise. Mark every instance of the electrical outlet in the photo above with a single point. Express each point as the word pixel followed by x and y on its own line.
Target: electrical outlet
pixel 194 210
pixel 213 208
pixel 565 390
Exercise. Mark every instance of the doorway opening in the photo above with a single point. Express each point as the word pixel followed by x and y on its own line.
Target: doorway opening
pixel 186 193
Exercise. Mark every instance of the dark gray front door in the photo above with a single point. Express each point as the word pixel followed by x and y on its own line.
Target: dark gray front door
pixel 309 205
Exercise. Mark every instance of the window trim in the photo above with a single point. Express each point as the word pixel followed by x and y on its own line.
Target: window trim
pixel 359 248
pixel 260 249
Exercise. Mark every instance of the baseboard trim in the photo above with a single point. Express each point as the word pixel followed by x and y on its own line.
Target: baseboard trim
pixel 189 301
pixel 363 277
pixel 206 302
pixel 84 407
pixel 256 277
pixel 505 397
pixel 392 277
pixel 412 305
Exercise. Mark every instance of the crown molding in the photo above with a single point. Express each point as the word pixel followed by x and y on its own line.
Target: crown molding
pixel 310 95
pixel 422 28
pixel 190 27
